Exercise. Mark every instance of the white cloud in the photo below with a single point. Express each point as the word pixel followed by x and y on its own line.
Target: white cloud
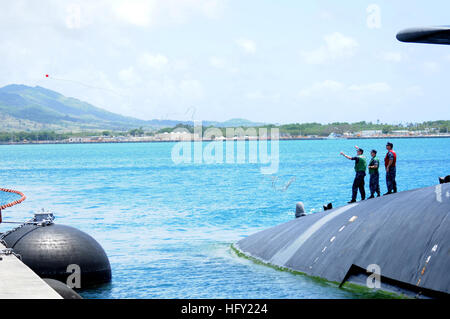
pixel 222 64
pixel 414 90
pixel 431 67
pixel 129 76
pixel 212 8
pixel 157 61
pixel 258 95
pixel 73 19
pixel 329 87
pixel 145 13
pixel 247 45
pixel 137 12
pixel 180 64
pixel 326 15
pixel 321 87
pixel 181 10
pixel 391 56
pixel 192 89
pixel 370 88
pixel 217 62
pixel 336 46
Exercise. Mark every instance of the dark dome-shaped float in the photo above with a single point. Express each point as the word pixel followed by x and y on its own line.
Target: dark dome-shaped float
pixel 52 250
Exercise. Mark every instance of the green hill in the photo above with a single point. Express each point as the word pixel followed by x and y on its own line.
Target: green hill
pixel 28 108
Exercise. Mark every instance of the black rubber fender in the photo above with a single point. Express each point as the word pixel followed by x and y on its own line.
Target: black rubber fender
pixel 49 250
pixel 62 289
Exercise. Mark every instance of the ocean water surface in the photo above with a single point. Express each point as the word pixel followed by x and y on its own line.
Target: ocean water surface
pixel 167 228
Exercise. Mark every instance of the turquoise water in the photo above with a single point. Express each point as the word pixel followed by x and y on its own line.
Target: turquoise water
pixel 6 197
pixel 167 228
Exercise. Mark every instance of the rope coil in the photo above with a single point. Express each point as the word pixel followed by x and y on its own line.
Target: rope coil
pixel 6 190
pixel 22 198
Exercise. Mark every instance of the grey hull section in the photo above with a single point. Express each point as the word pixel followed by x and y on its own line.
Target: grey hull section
pixel 406 234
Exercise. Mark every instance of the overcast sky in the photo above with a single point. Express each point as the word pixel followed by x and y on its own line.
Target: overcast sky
pixel 271 61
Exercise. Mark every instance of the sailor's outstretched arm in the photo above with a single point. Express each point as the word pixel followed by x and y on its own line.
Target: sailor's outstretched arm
pixel 342 153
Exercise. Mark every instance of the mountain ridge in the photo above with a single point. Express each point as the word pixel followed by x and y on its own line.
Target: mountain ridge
pixel 29 108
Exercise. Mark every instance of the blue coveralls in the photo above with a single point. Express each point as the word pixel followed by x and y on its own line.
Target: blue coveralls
pixel 390 176
pixel 358 183
pixel 374 183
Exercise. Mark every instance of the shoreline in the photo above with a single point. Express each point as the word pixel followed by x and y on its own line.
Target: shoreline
pixel 267 139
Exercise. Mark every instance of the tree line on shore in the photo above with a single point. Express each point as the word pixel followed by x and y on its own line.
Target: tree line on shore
pixel 305 129
pixel 294 129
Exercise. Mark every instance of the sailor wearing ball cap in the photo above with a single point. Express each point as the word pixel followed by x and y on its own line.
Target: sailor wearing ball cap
pixel 390 162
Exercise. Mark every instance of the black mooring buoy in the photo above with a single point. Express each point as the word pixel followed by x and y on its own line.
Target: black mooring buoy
pixel 62 289
pixel 59 252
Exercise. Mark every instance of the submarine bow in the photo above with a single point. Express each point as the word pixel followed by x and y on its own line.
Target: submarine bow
pixel 407 235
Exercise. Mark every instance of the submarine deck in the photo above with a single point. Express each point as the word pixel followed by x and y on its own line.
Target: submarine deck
pixel 406 235
pixel 17 281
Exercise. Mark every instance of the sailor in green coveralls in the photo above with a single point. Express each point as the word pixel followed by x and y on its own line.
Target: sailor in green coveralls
pixel 360 169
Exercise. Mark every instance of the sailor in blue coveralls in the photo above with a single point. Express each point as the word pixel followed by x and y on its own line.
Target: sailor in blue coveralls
pixel 390 162
pixel 374 182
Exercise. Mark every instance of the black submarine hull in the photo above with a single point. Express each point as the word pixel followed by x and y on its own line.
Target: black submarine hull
pixel 407 235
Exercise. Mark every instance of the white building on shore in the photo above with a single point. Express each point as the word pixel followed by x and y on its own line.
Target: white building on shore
pixel 371 133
